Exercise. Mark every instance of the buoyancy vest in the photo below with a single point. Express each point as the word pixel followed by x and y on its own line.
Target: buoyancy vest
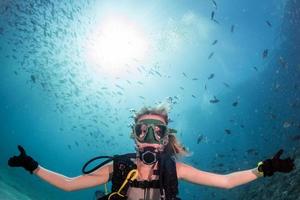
pixel 167 182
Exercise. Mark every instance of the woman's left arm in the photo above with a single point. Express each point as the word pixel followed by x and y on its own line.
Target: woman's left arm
pixel 242 177
pixel 265 168
pixel 227 181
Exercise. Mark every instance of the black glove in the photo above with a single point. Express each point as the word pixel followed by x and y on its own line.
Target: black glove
pixel 269 166
pixel 23 161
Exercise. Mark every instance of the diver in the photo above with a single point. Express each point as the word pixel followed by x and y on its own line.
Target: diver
pixel 153 171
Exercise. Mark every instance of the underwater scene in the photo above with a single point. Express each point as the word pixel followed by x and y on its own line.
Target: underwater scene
pixel 74 74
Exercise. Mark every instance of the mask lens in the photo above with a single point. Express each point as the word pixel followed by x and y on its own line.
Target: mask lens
pixel 160 130
pixel 140 130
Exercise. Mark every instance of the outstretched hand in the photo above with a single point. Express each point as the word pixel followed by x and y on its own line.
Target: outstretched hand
pixel 23 160
pixel 17 161
pixel 277 165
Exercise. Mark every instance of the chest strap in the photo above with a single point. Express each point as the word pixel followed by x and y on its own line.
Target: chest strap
pixel 145 184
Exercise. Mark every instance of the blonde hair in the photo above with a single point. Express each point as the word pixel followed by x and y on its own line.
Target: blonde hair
pixel 174 147
pixel 161 110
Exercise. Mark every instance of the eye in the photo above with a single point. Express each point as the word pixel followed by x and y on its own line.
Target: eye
pixel 157 128
pixel 158 131
pixel 143 130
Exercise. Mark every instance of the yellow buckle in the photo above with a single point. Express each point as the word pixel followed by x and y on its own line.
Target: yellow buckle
pixel 258 165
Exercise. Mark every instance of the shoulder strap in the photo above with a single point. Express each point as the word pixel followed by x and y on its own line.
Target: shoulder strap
pixel 122 165
pixel 145 184
pixel 169 178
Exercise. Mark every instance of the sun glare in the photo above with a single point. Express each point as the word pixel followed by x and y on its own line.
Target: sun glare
pixel 116 42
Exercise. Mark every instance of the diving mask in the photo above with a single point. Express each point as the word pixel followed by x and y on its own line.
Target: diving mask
pixel 150 131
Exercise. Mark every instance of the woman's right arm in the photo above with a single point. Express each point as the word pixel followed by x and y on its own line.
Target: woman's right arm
pixel 98 177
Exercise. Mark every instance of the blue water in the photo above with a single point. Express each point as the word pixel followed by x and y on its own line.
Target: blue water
pixel 65 108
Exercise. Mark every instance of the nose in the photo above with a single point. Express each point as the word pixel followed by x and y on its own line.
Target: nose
pixel 150 134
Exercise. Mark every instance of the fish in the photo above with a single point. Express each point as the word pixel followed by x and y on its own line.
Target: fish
pixel 214 42
pixel 252 151
pixel 265 53
pixel 205 87
pixel 282 62
pixel 118 86
pixel 273 116
pixel 235 103
pixel 159 74
pixel 227 131
pixel 151 72
pixel 195 79
pixel 219 155
pixel 220 165
pixel 211 76
pixel 184 74
pixel 181 87
pixel 33 79
pixel 294 104
pixel 268 23
pixel 62 81
pixel 215 4
pixel 200 138
pixel 143 67
pixel 232 29
pixel 106 125
pixel 277 86
pixel 296 138
pixel 226 85
pixel 215 100
pixel 216 21
pixel 169 99
pixel 255 68
pixel 210 55
pixel 194 96
pixel 212 15
pixel 286 124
